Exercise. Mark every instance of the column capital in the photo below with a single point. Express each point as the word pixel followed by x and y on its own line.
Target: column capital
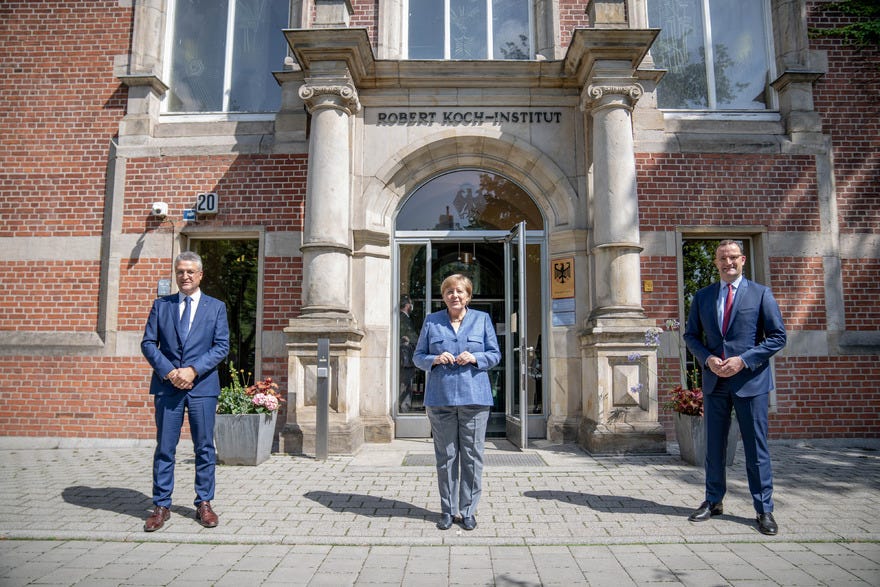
pixel 593 94
pixel 321 95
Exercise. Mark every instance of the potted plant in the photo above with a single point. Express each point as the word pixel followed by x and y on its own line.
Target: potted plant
pixel 245 422
pixel 687 406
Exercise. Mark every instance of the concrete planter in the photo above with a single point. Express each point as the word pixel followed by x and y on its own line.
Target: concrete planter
pixel 690 431
pixel 244 439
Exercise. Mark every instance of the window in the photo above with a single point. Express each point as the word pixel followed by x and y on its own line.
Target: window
pixel 223 53
pixel 716 53
pixel 470 29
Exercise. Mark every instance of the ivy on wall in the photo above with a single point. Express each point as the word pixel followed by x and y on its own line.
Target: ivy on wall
pixel 863 33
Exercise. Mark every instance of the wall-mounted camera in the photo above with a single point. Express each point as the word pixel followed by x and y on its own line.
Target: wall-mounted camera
pixel 159 209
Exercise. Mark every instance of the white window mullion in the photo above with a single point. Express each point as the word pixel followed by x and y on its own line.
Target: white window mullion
pixel 710 57
pixel 227 67
pixel 490 39
pixel 169 47
pixel 447 42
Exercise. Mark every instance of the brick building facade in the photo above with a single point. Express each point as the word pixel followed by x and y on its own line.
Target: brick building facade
pixel 88 143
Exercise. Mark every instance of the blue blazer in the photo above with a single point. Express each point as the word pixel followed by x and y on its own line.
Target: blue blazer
pixel 453 385
pixel 755 333
pixel 205 347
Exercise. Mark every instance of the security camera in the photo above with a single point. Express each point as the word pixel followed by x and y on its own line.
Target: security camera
pixel 159 209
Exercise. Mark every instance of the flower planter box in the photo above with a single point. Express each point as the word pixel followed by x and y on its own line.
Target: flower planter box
pixel 690 431
pixel 244 439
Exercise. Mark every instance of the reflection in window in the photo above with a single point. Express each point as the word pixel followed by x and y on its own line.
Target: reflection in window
pixel 715 52
pixel 223 53
pixel 469 29
pixel 469 200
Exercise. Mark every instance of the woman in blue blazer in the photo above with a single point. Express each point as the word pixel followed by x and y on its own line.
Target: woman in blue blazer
pixel 457 347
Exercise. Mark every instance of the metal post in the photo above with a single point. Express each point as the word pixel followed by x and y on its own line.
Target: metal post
pixel 322 413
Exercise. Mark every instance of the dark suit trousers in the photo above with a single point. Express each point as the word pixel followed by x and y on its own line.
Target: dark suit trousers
pixel 751 414
pixel 169 421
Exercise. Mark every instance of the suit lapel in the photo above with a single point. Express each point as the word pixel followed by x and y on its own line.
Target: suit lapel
pixel 741 293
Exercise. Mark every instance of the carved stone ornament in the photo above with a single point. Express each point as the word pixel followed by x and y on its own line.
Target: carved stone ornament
pixel 342 96
pixel 595 93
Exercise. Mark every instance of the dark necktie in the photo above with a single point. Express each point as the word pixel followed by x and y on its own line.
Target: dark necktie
pixel 184 319
pixel 728 306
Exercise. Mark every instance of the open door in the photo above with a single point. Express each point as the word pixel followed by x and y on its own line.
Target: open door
pixel 519 351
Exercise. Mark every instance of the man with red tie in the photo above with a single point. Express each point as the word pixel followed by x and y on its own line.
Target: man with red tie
pixel 185 339
pixel 733 328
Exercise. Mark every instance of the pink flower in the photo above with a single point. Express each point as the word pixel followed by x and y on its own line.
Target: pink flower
pixel 270 402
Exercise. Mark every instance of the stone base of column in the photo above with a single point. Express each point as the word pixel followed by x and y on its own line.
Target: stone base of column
pixel 345 427
pixel 620 407
pixel 378 429
pixel 343 437
pixel 639 438
pixel 562 429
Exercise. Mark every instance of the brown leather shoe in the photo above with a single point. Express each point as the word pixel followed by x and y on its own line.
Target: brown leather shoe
pixel 206 516
pixel 157 519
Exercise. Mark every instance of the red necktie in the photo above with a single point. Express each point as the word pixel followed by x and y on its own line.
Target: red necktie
pixel 728 305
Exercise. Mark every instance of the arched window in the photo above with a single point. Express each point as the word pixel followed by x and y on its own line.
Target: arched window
pixel 469 199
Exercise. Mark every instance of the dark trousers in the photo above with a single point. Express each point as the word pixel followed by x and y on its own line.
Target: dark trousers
pixel 169 421
pixel 752 416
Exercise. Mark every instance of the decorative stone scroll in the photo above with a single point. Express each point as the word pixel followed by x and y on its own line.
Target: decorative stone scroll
pixel 339 96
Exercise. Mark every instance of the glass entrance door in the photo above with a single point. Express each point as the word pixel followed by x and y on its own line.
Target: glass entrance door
pixel 505 271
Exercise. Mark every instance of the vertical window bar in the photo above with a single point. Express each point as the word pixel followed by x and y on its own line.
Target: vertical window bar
pixel 447 42
pixel 490 37
pixel 227 67
pixel 710 57
pixel 169 47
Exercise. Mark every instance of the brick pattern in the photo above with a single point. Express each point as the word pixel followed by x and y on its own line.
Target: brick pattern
pixel 572 15
pixel 829 397
pixel 50 296
pixel 276 201
pixel 366 15
pixel 799 288
pixel 282 291
pixel 61 108
pixel 861 292
pixel 85 397
pixel 848 99
pixel 691 189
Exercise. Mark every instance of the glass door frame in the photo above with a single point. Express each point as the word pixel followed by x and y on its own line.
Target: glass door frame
pixel 416 425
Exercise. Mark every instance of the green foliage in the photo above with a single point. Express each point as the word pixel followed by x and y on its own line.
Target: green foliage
pixel 234 398
pixel 863 33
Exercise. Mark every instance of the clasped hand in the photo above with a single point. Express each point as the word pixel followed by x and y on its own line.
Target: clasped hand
pixel 182 378
pixel 446 358
pixel 726 367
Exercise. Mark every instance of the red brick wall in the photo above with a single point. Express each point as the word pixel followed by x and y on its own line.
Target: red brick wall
pixel 676 189
pixel 861 292
pixel 48 296
pixel 61 107
pixel 572 15
pixel 366 15
pixel 87 397
pixel 848 97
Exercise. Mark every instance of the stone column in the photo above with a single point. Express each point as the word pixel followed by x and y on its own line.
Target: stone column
pixel 331 98
pixel 326 244
pixel 616 245
pixel 620 370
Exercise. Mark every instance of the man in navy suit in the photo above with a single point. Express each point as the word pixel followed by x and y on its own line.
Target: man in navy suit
pixel 185 339
pixel 733 329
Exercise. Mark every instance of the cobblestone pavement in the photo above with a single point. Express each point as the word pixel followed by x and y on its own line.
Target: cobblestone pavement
pixel 552 515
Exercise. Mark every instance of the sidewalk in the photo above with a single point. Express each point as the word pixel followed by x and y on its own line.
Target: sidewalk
pixel 552 515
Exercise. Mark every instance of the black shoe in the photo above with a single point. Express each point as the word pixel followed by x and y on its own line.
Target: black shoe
pixel 469 523
pixel 706 511
pixel 445 522
pixel 767 525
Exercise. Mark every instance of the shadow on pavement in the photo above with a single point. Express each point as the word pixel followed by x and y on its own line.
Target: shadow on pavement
pixel 119 500
pixel 622 504
pixel 369 505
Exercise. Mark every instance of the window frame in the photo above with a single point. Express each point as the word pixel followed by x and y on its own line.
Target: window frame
pixel 768 113
pixel 209 116
pixel 490 36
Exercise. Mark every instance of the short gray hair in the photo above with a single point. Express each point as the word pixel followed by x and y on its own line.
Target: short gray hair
pixel 189 256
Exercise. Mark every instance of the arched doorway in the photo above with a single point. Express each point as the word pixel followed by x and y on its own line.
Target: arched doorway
pixel 486 226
